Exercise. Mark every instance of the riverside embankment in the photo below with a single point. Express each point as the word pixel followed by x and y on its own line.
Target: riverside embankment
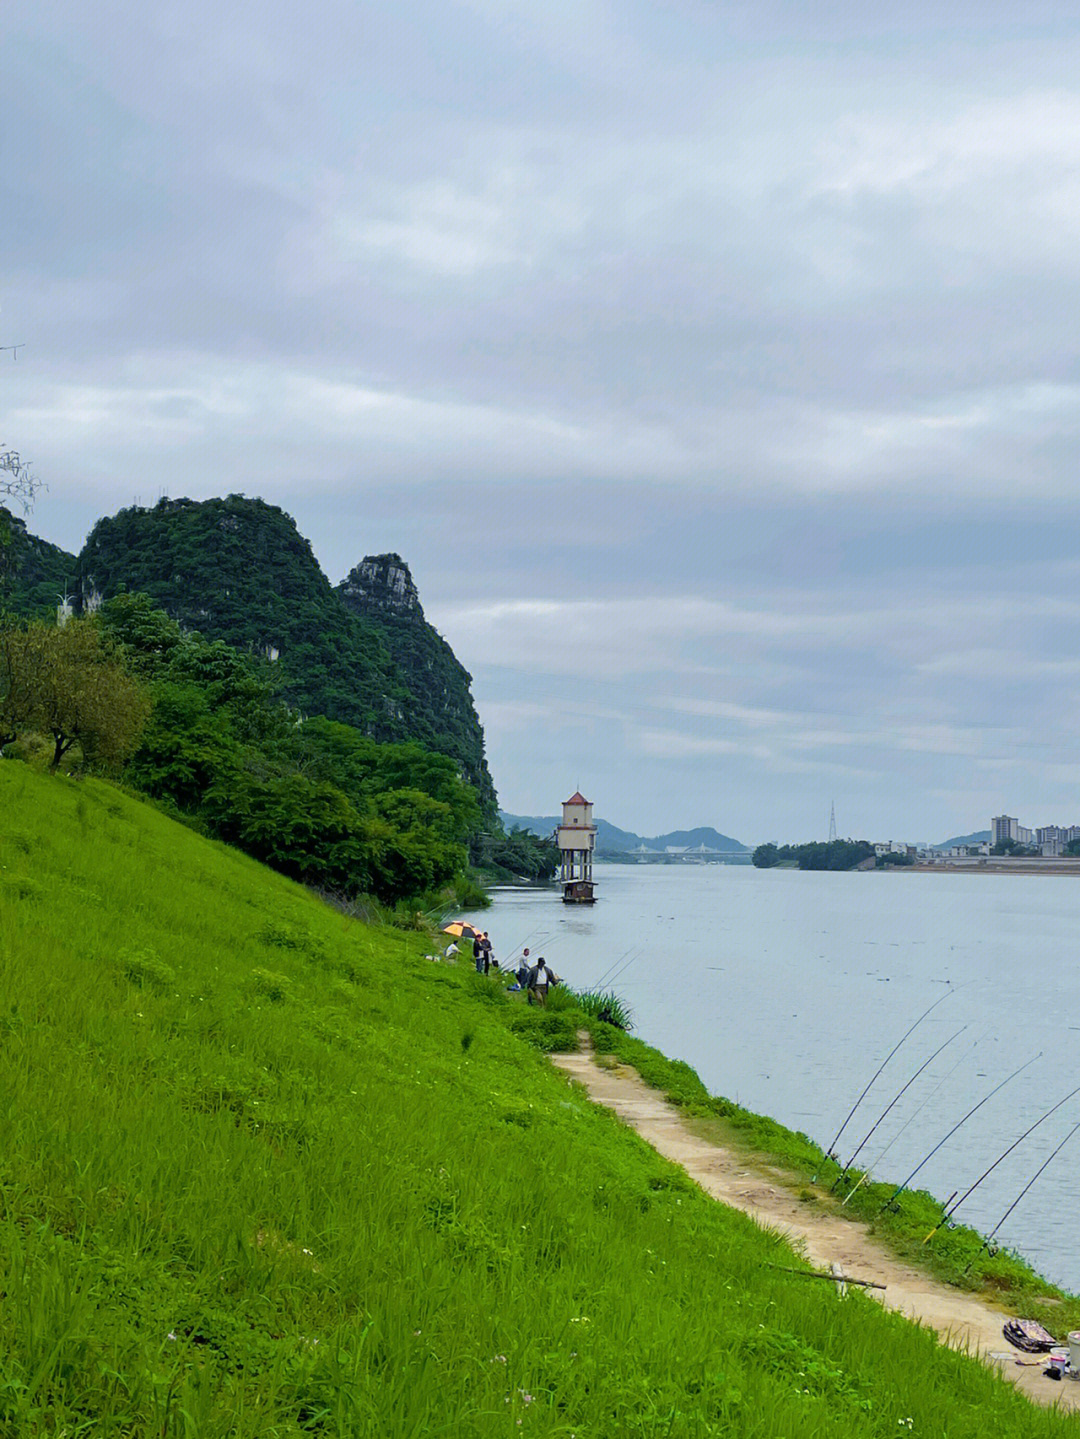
pixel 816 1226
pixel 267 1170
pixel 785 991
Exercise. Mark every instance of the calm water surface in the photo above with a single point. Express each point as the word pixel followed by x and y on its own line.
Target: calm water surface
pixel 785 991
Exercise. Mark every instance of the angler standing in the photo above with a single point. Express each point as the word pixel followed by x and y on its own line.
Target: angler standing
pixel 539 981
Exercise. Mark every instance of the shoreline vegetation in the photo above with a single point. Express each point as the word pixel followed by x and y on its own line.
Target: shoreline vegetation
pixel 270 1171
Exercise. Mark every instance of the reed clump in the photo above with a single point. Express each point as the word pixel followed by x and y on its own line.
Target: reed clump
pixel 255 1183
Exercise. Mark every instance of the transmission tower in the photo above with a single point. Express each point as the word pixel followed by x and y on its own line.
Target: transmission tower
pixel 832 823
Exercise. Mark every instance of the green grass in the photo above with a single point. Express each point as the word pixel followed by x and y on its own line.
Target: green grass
pixel 955 1253
pixel 266 1171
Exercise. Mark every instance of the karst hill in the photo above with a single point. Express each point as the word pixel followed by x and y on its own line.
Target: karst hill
pixel 238 570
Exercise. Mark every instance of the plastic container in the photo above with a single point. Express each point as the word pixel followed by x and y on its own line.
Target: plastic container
pixel 1074 1351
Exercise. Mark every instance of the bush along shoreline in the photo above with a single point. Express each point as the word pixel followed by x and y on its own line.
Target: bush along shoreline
pixel 269 1173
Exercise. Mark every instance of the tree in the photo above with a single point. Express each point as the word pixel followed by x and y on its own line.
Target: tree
pixel 65 683
pixel 17 480
pixel 20 669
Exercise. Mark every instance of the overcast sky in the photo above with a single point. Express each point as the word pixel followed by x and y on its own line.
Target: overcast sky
pixel 715 367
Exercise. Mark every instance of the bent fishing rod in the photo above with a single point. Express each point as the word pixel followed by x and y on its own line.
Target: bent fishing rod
pixel 894 1101
pixel 950 1211
pixel 620 966
pixel 881 1066
pixel 953 1130
pixel 865 1177
pixel 612 967
pixel 1053 1155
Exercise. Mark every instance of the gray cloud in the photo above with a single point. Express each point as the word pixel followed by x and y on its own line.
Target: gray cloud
pixel 737 340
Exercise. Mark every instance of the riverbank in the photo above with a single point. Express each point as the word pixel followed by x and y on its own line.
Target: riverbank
pixel 271 1170
pixel 785 990
pixel 814 1223
pixel 992 865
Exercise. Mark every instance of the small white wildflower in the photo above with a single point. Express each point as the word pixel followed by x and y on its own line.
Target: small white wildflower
pixel 171 1336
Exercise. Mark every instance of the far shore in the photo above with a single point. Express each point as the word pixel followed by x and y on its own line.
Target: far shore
pixel 991 866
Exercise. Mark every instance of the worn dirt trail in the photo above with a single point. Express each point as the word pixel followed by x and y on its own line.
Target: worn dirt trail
pixel 962 1320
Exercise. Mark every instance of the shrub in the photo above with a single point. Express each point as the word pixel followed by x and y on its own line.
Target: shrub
pixel 604 1005
pixel 145 969
pixel 275 987
pixel 550 1031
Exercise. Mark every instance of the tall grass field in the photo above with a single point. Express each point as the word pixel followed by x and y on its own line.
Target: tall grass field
pixel 267 1171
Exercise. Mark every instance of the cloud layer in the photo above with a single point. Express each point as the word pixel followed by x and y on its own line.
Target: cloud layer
pixel 736 343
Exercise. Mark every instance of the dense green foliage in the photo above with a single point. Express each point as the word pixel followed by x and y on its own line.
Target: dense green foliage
pixel 66 682
pixel 317 800
pixel 839 854
pixel 238 570
pixel 33 573
pixel 517 855
pixel 440 712
pixel 268 1173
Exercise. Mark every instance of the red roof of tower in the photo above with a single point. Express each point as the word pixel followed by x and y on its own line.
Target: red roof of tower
pixel 577 798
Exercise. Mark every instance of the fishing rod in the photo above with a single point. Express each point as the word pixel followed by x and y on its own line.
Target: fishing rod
pixel 895 1100
pixel 538 931
pixel 612 967
pixel 880 1067
pixel 609 980
pixel 907 1123
pixel 1054 1154
pixel 614 970
pixel 630 949
pixel 949 1212
pixel 955 1127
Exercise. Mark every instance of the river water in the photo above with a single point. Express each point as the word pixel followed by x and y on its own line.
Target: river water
pixel 786 990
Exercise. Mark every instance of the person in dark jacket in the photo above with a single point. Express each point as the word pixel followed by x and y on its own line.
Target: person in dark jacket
pixel 539 981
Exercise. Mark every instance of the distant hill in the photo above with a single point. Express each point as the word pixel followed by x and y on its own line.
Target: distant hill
pixel 611 840
pixel 981 836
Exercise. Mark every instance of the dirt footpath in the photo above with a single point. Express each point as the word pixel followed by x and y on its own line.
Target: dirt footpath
pixel 962 1320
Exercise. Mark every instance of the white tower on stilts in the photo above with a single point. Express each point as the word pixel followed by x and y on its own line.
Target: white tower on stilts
pixel 577 839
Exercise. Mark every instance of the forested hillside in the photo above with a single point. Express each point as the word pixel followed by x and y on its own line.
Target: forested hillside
pixel 33 573
pixel 380 590
pixel 238 570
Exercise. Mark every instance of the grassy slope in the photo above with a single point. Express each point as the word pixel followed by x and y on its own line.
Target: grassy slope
pixel 909 1224
pixel 268 1172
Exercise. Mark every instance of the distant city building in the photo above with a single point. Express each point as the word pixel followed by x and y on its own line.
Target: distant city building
pixel 1051 840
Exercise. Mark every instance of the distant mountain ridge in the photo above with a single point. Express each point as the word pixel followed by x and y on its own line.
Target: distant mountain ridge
pixel 612 840
pixel 981 836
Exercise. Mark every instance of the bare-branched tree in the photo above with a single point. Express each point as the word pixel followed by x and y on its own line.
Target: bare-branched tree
pixel 17 480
